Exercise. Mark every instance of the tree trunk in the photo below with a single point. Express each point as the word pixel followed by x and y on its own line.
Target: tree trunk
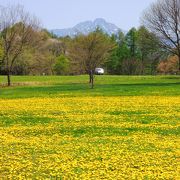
pixel 92 81
pixel 151 69
pixel 91 78
pixel 9 79
pixel 179 64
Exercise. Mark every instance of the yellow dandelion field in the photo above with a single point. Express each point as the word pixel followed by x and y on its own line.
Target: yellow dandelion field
pixel 128 137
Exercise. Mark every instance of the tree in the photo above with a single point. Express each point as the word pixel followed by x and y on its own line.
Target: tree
pixel 16 32
pixel 1 53
pixel 118 55
pixel 89 52
pixel 168 66
pixel 49 50
pixel 163 19
pixel 150 50
pixel 132 64
pixel 61 66
pixel 37 58
pixel 131 40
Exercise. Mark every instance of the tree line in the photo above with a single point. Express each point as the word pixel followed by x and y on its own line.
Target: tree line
pixel 154 47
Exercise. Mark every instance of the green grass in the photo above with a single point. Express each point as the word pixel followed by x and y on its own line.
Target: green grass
pixel 53 86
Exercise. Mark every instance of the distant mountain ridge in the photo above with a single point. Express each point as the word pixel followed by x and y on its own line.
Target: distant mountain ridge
pixel 87 27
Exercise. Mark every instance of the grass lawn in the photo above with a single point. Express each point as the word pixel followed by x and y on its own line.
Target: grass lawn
pixel 56 86
pixel 56 127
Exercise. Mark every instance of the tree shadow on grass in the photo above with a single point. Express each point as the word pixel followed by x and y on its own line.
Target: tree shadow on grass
pixel 82 89
pixel 140 89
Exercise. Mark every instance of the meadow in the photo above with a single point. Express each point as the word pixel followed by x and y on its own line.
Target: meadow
pixel 56 127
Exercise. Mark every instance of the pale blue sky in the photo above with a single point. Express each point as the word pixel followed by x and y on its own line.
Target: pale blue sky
pixel 67 13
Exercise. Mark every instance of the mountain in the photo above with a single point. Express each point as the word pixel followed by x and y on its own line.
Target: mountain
pixel 87 27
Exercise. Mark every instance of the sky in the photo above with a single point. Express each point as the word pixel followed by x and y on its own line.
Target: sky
pixel 57 14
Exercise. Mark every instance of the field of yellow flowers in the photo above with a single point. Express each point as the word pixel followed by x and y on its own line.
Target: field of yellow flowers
pixel 122 137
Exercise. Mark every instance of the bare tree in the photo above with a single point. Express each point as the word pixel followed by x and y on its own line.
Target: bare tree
pixel 89 52
pixel 16 32
pixel 163 19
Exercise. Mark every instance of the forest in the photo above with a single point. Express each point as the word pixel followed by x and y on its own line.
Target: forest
pixel 28 49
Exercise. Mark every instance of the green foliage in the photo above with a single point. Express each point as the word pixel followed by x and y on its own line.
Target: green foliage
pixel 131 40
pixel 124 58
pixel 120 53
pixel 150 50
pixel 137 52
pixel 61 66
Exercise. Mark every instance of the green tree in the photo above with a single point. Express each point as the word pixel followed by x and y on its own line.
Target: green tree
pixel 61 66
pixel 89 52
pixel 131 40
pixel 120 53
pixel 132 65
pixel 150 50
pixel 40 59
